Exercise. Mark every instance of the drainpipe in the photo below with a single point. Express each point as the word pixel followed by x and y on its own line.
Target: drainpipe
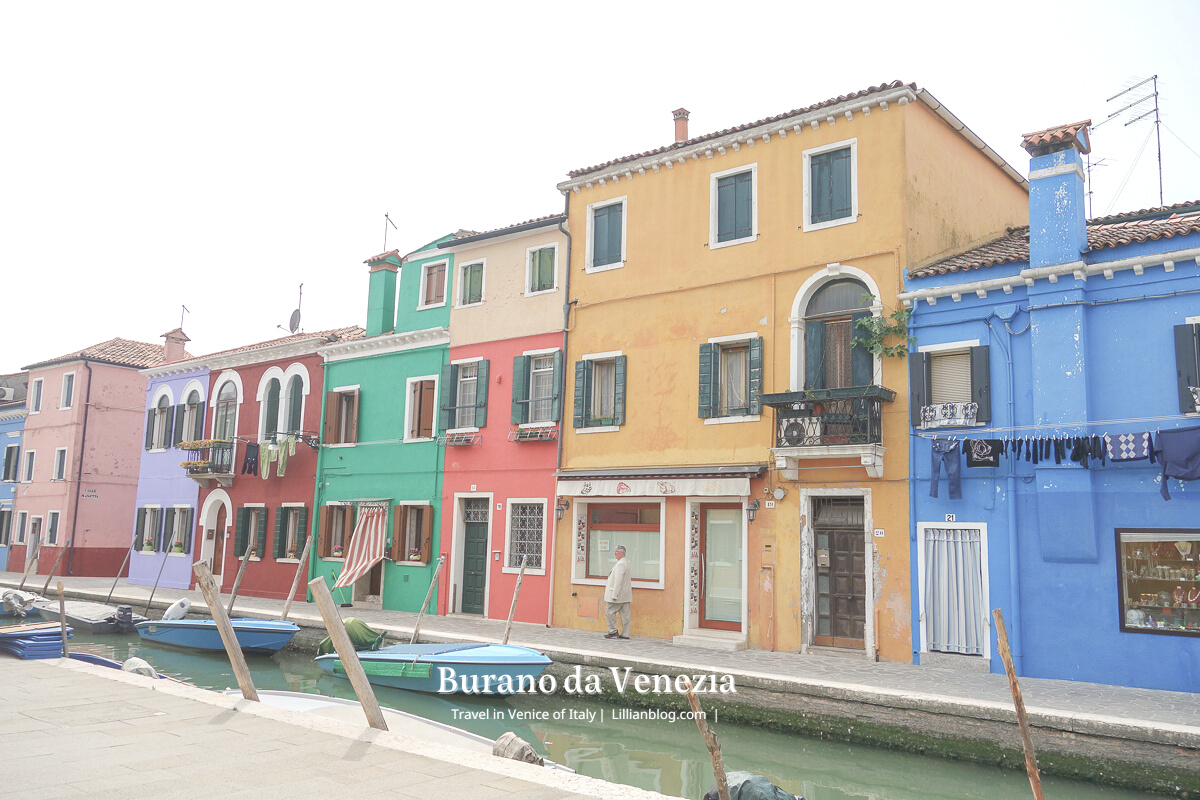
pixel 87 404
pixel 562 389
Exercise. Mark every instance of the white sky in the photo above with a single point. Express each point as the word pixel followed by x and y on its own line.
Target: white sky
pixel 219 154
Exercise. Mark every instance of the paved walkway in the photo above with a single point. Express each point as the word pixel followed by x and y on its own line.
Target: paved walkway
pixel 1065 704
pixel 73 730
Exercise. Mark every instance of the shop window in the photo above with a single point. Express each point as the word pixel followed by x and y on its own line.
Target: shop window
pixel 1159 580
pixel 636 526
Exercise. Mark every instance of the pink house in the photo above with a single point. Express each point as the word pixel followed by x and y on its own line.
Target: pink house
pixel 77 480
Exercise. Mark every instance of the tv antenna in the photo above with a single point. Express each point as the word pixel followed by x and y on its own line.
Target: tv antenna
pixel 1100 162
pixel 181 313
pixel 294 320
pixel 1140 112
pixel 387 221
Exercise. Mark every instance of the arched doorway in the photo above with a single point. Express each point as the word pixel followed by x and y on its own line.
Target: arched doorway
pixel 214 525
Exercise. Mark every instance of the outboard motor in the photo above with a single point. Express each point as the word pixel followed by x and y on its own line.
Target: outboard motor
pixel 125 618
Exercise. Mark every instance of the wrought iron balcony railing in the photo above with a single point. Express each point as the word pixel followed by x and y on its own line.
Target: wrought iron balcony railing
pixel 208 457
pixel 829 417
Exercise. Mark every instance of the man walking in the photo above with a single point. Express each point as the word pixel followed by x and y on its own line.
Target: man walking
pixel 618 594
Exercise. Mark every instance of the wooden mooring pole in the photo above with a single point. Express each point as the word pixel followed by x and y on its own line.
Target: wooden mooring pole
pixel 62 617
pixel 124 563
pixel 1035 782
pixel 346 652
pixel 296 580
pixel 710 741
pixel 516 591
pixel 212 597
pixel 241 571
pixel 162 564
pixel 61 552
pixel 31 557
pixel 432 585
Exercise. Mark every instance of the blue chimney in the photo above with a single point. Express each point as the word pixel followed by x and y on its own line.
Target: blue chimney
pixel 1057 223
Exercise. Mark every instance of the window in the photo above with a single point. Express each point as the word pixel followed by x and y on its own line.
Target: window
pixel 950 385
pixel 535 395
pixel 189 423
pixel 35 396
pixel 831 185
pixel 637 527
pixel 251 522
pixel 270 421
pixel 12 456
pixel 60 465
pixel 420 409
pixel 341 416
pixel 52 528
pixel 541 269
pixel 606 234
pixel 1187 367
pixel 412 533
pixel 30 458
pixel 833 359
pixel 6 518
pixel 733 211
pixel 337 523
pixel 731 377
pixel 433 284
pixel 22 524
pixel 295 404
pixel 225 413
pixel 470 284
pixel 464 396
pixel 160 424
pixel 177 530
pixel 291 529
pixel 599 392
pixel 526 534
pixel 147 529
pixel 67 398
pixel 1159 580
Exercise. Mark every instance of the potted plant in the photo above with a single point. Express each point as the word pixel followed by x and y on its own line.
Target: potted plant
pixel 414 554
pixel 337 551
pixel 179 547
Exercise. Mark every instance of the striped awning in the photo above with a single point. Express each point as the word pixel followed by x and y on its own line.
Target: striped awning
pixel 366 545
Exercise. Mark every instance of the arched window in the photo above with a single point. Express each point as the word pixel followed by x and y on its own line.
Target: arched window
pixel 193 417
pixel 832 359
pixel 295 404
pixel 271 411
pixel 225 414
pixel 162 423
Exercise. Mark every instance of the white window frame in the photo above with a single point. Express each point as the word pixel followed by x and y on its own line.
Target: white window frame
pixel 176 520
pixel 949 348
pixel 408 407
pixel 532 354
pixel 37 395
pixel 21 528
pixel 529 251
pixel 285 405
pixel 63 391
pixel 60 460
pixel 264 385
pixel 157 508
pixel 579 513
pixel 350 509
pixel 53 519
pixel 6 536
pixel 290 510
pixel 28 466
pixel 341 390
pixel 455 428
pixel 215 390
pixel 610 355
pixel 16 462
pixel 922 528
pixel 547 522
pixel 809 225
pixel 735 338
pixel 422 303
pixel 589 249
pixel 158 445
pixel 461 284
pixel 252 529
pixel 189 430
pixel 752 168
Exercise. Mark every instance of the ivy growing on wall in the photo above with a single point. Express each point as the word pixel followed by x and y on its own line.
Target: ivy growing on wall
pixel 885 335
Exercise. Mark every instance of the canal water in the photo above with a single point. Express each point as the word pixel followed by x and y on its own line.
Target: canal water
pixel 664 755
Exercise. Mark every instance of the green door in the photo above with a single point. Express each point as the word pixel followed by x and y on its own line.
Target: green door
pixel 474 577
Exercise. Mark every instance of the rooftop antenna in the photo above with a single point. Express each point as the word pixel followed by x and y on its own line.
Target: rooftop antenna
pixel 294 320
pixel 387 221
pixel 181 313
pixel 1100 162
pixel 1140 114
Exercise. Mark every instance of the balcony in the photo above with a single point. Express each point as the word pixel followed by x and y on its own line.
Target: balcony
pixel 829 424
pixel 209 460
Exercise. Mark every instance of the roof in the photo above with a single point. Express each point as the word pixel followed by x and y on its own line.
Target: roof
pixel 1112 231
pixel 520 227
pixel 121 352
pixel 331 335
pixel 1058 138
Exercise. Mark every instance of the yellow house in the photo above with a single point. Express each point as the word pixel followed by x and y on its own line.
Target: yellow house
pixel 727 429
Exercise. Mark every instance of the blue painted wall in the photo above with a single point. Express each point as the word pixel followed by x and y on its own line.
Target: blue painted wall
pixel 12 422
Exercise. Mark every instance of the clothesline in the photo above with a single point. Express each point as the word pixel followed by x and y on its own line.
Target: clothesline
pixel 978 432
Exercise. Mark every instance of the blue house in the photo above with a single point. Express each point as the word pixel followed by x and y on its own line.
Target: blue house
pixel 12 421
pixel 1053 369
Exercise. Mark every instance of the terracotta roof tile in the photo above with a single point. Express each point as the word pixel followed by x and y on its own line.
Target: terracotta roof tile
pixel 833 101
pixel 125 352
pixel 1040 142
pixel 337 334
pixel 1014 245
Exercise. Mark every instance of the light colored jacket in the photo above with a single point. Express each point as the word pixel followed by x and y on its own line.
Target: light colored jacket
pixel 619 589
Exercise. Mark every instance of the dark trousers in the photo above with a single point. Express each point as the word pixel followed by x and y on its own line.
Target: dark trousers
pixel 949 454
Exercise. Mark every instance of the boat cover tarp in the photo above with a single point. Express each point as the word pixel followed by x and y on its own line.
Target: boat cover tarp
pixel 748 786
pixel 419 650
pixel 361 636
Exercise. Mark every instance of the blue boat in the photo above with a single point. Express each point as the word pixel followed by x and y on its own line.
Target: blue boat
pixel 262 635
pixel 448 668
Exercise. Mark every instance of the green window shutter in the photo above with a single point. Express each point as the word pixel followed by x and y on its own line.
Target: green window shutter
pixel 168 528
pixel 188 524
pixel 708 374
pixel 606 234
pixel 271 423
pixel 557 402
pixel 239 532
pixel 149 429
pixel 619 391
pixel 280 532
pixel 169 430
pixel 583 374
pixel 295 405
pixel 520 390
pixel 139 526
pixel 260 544
pixel 981 383
pixel 814 355
pixel 919 386
pixel 735 207
pixel 1187 364
pixel 756 375
pixel 481 394
pixel 198 433
pixel 830 185
pixel 178 434
pixel 862 362
pixel 449 393
pixel 301 530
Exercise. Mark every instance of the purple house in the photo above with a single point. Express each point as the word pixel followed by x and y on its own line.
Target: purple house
pixel 163 535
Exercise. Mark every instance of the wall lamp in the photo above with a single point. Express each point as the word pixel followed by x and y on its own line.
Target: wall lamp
pixel 560 509
pixel 752 509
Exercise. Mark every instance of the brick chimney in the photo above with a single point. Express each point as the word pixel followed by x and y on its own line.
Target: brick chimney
pixel 1057 219
pixel 174 346
pixel 681 118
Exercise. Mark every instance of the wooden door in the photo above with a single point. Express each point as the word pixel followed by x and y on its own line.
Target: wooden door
pixel 841 576
pixel 218 557
pixel 475 542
